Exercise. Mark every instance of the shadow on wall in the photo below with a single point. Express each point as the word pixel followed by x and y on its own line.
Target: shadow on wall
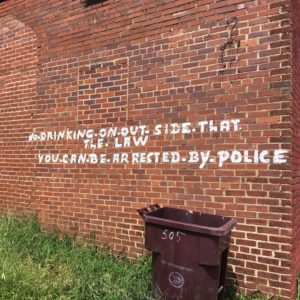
pixel 232 287
pixel 233 290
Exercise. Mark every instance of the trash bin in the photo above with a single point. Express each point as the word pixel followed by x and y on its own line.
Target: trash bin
pixel 189 252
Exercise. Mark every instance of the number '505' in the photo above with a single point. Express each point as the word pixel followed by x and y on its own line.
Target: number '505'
pixel 172 235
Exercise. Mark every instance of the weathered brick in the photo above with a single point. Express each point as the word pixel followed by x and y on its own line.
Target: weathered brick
pixel 65 66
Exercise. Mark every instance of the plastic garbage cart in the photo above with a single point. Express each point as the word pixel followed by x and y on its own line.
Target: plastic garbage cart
pixel 189 252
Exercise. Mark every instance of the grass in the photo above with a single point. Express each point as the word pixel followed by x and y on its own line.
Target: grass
pixel 37 265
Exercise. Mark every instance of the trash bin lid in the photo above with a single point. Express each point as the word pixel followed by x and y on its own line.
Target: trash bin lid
pixel 215 225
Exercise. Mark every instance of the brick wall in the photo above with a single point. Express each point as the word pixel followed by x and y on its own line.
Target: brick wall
pixel 18 80
pixel 295 149
pixel 73 75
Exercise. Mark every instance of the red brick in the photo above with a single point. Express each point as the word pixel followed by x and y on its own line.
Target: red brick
pixel 156 63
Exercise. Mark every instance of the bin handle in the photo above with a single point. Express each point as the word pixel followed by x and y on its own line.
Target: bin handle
pixel 143 211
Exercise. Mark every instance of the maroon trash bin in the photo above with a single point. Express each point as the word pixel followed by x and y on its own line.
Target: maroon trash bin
pixel 189 252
